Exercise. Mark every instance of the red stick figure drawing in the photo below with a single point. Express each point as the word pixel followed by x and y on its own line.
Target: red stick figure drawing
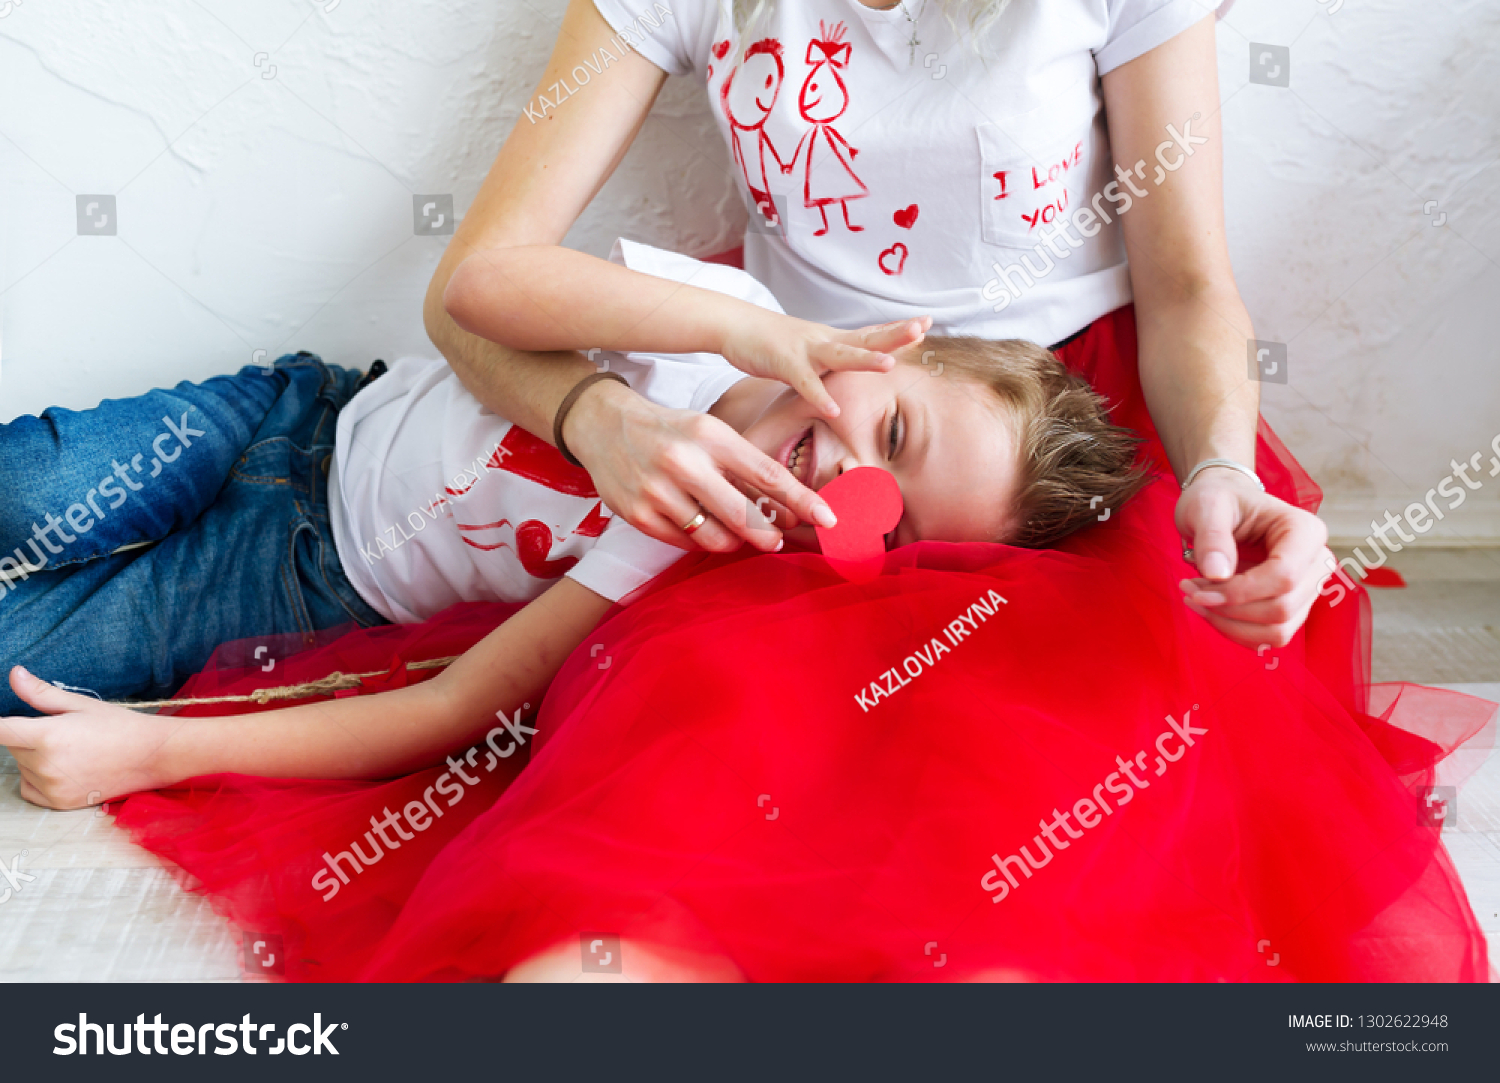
pixel 830 176
pixel 747 103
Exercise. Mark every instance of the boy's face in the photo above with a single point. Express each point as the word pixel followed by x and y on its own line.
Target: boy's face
pixel 950 446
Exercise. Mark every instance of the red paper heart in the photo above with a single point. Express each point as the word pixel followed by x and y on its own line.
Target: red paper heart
pixel 720 48
pixel 899 250
pixel 906 218
pixel 867 502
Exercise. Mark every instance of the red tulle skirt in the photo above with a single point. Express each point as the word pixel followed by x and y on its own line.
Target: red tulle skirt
pixel 988 762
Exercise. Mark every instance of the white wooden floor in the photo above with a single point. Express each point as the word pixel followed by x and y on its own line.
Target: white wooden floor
pixel 102 909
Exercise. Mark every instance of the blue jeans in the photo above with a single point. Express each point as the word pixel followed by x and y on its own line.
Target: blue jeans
pixel 221 491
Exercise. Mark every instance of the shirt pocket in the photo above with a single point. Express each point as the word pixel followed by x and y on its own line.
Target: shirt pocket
pixel 1034 173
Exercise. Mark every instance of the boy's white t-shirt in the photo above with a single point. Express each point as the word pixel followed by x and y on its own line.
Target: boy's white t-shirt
pixel 957 166
pixel 435 500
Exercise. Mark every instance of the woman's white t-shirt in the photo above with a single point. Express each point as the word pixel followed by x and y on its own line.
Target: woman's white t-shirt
pixel 435 500
pixel 899 178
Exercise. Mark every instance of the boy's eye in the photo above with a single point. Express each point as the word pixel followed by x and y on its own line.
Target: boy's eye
pixel 893 434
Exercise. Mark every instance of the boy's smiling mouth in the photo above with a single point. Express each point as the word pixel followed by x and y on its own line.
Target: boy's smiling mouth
pixel 800 458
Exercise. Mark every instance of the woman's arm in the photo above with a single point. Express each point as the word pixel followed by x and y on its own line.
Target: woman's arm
pixel 543 177
pixel 87 751
pixel 527 297
pixel 1193 333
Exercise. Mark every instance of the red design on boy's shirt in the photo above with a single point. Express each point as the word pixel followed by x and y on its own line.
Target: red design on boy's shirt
pixel 1000 176
pixel 829 175
pixel 897 250
pixel 760 79
pixel 536 460
pixel 906 217
pixel 487 547
pixel 533 543
pixel 594 522
pixel 522 454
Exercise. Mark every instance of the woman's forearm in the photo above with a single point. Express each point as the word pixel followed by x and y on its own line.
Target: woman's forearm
pixel 545 297
pixel 522 386
pixel 543 177
pixel 1194 375
pixel 1192 326
pixel 395 732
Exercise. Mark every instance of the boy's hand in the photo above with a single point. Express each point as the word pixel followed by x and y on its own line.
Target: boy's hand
pixel 656 467
pixel 87 752
pixel 798 352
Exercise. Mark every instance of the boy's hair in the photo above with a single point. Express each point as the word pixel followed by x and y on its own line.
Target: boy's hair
pixel 1071 454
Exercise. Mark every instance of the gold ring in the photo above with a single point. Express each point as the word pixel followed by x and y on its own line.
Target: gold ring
pixel 1187 554
pixel 695 522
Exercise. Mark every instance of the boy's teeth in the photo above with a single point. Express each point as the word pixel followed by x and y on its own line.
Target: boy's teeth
pixel 794 460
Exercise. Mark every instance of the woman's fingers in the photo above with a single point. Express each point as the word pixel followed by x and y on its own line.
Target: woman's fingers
pixel 1278 609
pixel 1295 566
pixel 754 469
pixel 1248 633
pixel 737 514
pixel 1265 603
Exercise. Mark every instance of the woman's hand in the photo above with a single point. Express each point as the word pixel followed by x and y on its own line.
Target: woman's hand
pixel 798 352
pixel 87 752
pixel 656 467
pixel 1266 603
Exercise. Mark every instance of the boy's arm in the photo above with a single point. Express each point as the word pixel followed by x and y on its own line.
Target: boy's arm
pixel 89 751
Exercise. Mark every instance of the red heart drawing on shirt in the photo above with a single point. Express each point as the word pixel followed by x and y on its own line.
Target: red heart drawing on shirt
pixel 533 543
pixel 867 502
pixel 906 218
pixel 720 48
pixel 899 251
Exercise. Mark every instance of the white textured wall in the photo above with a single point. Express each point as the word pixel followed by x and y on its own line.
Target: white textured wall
pixel 265 202
pixel 1390 318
